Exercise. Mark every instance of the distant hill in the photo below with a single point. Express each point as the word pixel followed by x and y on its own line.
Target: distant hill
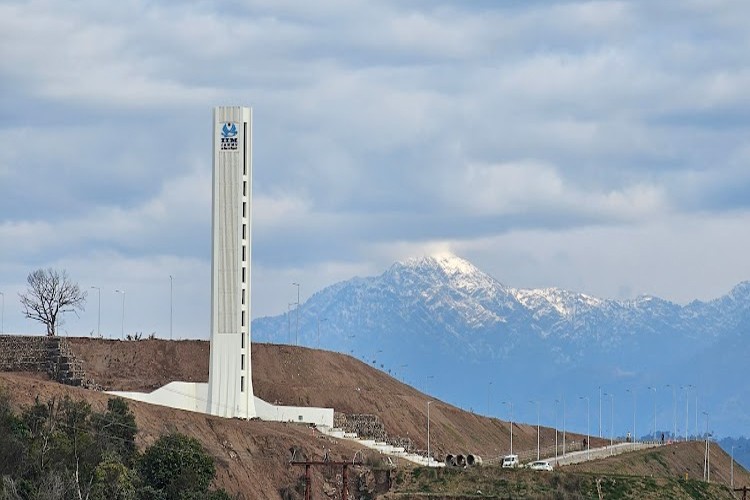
pixel 442 324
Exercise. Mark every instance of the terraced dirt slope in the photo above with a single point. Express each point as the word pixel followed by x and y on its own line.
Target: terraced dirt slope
pixel 297 375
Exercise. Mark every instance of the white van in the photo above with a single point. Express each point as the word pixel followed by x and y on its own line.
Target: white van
pixel 510 461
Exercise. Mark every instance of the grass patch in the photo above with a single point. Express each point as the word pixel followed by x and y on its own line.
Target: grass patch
pixel 494 482
pixel 694 488
pixel 616 488
pixel 658 458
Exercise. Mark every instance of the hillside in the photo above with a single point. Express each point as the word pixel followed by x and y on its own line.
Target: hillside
pixel 678 459
pixel 297 375
pixel 252 456
pixel 651 475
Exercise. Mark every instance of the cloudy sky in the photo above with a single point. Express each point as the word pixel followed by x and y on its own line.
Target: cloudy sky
pixel 599 146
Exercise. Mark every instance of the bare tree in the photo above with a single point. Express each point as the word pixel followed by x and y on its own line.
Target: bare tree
pixel 50 294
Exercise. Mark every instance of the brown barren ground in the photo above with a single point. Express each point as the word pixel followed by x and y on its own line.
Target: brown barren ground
pixel 252 456
pixel 291 375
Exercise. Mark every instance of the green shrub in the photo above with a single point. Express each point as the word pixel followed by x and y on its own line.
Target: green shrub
pixel 177 465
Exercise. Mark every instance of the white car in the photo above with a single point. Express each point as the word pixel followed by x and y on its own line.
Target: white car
pixel 540 465
pixel 510 461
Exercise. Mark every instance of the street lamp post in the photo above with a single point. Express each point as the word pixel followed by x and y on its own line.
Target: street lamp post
pixel 563 403
pixel 537 427
pixel 403 372
pixel 289 321
pixel 99 312
pixel 707 457
pixel 510 404
pixel 351 351
pixel 557 402
pixel 674 411
pixel 687 409
pixel 428 432
pixel 654 389
pixel 122 331
pixel 696 409
pixel 319 320
pixel 632 391
pixel 171 309
pixel 588 433
pixel 489 387
pixel 611 421
pixel 600 412
pixel 296 336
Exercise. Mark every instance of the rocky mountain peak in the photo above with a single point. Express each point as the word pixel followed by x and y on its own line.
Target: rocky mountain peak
pixel 446 262
pixel 447 269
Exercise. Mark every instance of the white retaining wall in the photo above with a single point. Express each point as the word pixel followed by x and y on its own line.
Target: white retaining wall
pixel 193 396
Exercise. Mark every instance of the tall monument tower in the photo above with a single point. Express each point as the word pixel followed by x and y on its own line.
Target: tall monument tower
pixel 230 385
pixel 229 391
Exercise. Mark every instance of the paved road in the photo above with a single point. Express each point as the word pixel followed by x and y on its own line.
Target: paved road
pixel 576 457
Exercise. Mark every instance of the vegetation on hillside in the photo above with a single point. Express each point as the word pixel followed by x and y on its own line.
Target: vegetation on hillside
pixel 495 482
pixel 63 450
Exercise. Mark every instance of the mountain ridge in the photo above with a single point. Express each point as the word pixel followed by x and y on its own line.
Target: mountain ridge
pixel 423 314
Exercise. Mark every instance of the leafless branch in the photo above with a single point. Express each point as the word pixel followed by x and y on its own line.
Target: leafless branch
pixel 49 295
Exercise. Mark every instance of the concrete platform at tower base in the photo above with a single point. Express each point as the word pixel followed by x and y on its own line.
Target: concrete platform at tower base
pixel 192 396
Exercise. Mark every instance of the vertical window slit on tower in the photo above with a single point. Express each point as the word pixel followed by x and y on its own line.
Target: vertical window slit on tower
pixel 242 341
pixel 243 274
pixel 242 362
pixel 244 209
pixel 244 188
pixel 243 318
pixel 244 148
pixel 242 384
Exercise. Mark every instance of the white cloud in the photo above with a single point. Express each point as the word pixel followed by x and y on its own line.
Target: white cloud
pixel 143 227
pixel 381 129
pixel 532 187
pixel 677 257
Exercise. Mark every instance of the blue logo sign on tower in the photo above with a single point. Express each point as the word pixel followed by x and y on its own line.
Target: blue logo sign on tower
pixel 229 140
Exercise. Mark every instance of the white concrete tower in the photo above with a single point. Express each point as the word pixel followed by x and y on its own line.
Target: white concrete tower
pixel 230 386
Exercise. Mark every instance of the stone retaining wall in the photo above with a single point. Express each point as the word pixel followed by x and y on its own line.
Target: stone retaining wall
pixel 50 355
pixel 369 426
pixel 365 425
pixel 23 354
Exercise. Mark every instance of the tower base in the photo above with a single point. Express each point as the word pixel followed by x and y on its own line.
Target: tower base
pixel 193 396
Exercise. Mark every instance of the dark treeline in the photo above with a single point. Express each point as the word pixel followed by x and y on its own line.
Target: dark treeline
pixel 62 450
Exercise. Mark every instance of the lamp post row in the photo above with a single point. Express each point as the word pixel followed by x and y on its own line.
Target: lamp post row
pixel 612 404
pixel 122 325
pixel 296 334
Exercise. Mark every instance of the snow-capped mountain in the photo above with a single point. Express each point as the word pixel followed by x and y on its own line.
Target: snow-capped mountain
pixel 444 325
